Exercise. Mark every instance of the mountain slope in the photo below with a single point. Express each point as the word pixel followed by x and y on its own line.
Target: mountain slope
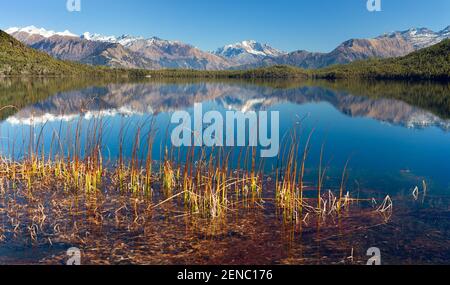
pixel 18 59
pixel 428 63
pixel 124 51
pixel 154 53
pixel 432 63
pixel 174 54
pixel 395 44
pixel 67 46
pixel 165 53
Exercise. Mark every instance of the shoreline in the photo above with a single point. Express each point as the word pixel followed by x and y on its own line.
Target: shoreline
pixel 282 73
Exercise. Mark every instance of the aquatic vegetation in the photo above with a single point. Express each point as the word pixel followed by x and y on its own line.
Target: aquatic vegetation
pixel 290 184
pixel 415 193
pixel 71 180
pixel 69 187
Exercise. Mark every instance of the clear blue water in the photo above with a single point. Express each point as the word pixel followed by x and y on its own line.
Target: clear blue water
pixel 392 145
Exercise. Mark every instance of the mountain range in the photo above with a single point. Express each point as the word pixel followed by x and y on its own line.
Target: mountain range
pixel 18 59
pixel 390 45
pixel 154 53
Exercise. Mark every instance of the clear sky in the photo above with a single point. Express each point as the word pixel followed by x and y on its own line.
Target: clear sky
pixel 315 25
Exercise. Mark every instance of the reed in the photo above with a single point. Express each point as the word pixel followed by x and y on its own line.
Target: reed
pixel 201 182
pixel 343 200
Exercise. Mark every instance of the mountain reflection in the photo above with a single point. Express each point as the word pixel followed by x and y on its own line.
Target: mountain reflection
pixel 157 97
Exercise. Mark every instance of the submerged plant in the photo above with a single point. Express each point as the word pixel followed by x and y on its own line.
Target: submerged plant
pixel 201 183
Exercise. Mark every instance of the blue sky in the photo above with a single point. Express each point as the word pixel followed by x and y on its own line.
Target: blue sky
pixel 315 25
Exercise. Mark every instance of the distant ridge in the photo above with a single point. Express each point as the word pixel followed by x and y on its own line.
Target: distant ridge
pixel 18 59
pixel 153 53
pixel 395 44
pixel 121 52
pixel 429 63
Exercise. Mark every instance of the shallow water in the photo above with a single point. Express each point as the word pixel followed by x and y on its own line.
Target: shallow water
pixel 396 135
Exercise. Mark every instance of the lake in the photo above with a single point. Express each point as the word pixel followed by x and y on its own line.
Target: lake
pixel 394 137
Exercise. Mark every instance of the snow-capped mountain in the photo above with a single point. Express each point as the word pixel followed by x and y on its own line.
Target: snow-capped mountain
pixel 123 51
pixel 247 52
pixel 155 53
pixel 154 47
pixel 123 40
pixel 421 37
pixel 32 30
pixel 389 45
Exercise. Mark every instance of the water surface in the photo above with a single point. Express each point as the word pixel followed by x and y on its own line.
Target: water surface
pixel 395 135
pixel 392 145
